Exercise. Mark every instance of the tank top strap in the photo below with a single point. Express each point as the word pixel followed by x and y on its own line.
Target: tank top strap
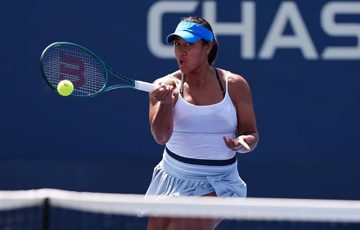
pixel 218 78
pixel 227 81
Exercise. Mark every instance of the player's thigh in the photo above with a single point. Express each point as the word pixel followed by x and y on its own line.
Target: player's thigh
pixel 193 223
pixel 158 223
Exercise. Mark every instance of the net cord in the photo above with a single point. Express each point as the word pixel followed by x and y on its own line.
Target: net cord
pixel 274 209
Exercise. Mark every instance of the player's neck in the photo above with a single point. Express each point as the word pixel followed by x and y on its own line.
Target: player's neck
pixel 199 77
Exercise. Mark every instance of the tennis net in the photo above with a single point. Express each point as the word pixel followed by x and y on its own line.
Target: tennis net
pixel 51 209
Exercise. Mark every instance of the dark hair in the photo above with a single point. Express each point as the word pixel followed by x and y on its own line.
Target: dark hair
pixel 213 52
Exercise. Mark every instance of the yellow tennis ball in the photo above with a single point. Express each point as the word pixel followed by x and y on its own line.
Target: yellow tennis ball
pixel 65 88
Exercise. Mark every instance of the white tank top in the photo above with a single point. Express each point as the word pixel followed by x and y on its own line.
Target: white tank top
pixel 198 130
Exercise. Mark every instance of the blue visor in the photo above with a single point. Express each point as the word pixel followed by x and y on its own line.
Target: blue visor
pixel 191 32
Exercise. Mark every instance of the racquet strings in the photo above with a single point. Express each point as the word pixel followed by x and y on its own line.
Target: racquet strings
pixel 66 61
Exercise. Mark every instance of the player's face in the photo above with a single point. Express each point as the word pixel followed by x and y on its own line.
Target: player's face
pixel 190 56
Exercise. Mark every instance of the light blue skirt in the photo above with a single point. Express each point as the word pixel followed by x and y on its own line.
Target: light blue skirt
pixel 174 178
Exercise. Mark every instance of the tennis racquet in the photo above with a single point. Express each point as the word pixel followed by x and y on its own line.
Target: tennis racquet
pixel 87 72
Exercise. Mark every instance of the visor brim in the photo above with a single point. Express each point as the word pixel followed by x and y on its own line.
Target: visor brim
pixel 187 36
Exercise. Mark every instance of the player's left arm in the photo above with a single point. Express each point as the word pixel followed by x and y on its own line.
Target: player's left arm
pixel 247 133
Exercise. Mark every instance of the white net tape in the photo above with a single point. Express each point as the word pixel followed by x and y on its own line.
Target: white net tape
pixel 226 208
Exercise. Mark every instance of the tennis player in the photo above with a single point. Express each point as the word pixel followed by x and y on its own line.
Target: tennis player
pixel 203 115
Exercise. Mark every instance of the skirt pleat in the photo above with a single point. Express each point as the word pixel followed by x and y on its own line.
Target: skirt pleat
pixel 175 178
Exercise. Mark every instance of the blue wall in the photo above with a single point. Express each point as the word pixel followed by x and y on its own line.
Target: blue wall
pixel 306 99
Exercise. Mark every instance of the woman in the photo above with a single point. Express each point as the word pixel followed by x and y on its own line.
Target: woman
pixel 203 115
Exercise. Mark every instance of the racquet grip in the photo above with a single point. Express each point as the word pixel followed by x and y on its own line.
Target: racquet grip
pixel 144 86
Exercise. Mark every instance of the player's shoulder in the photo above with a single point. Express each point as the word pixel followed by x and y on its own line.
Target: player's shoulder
pixel 234 79
pixel 170 79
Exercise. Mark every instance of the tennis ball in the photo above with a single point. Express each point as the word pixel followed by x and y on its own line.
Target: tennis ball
pixel 65 88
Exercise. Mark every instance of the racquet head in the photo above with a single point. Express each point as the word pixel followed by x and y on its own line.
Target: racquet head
pixel 65 60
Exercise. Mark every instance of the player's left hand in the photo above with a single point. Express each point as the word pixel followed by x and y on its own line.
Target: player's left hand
pixel 241 144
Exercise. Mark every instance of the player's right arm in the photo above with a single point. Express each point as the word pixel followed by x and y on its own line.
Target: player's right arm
pixel 162 100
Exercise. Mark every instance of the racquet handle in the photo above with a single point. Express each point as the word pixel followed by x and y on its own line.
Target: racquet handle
pixel 144 86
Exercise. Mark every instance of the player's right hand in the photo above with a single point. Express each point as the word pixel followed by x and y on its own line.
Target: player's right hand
pixel 163 93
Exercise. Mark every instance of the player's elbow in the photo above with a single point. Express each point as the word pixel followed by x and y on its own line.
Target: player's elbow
pixel 161 133
pixel 161 139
